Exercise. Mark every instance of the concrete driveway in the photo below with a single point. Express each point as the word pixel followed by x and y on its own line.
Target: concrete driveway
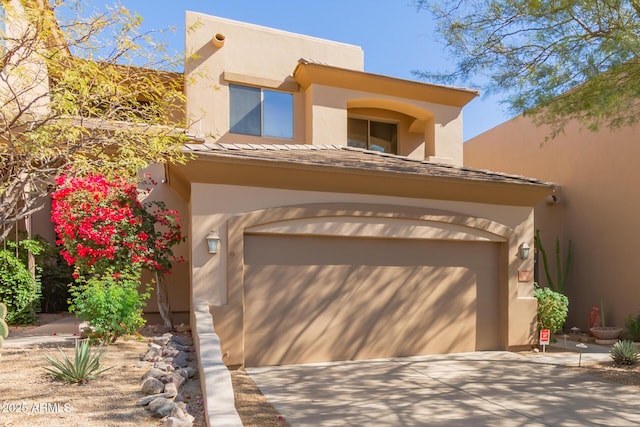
pixel 465 389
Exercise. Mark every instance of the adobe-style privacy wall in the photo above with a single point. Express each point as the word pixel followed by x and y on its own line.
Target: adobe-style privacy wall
pixel 597 208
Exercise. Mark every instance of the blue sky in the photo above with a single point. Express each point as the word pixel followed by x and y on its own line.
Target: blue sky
pixel 396 38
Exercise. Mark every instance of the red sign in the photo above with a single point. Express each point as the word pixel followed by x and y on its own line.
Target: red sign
pixel 544 336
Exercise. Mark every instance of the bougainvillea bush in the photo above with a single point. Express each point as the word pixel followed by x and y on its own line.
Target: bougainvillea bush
pixel 109 237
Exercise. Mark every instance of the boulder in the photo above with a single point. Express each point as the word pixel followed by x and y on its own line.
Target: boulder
pixel 148 399
pixel 152 386
pixel 153 373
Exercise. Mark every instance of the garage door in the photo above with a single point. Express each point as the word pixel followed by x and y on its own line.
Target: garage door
pixel 311 299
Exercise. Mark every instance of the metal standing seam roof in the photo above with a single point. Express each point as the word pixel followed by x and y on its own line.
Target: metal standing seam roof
pixel 337 156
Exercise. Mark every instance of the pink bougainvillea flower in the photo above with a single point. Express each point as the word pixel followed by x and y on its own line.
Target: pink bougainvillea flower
pixel 101 223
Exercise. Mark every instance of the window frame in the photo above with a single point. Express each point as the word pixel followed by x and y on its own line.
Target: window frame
pixel 369 120
pixel 263 117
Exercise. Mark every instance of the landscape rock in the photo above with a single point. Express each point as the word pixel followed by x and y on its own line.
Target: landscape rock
pixel 186 348
pixel 163 366
pixel 172 377
pixel 153 355
pixel 180 417
pixel 152 386
pixel 170 352
pixel 153 373
pixel 163 410
pixel 171 389
pixel 148 399
pixel 177 422
pixel 187 372
pixel 177 379
pixel 171 357
pixel 178 340
pixel 162 340
pixel 181 360
pixel 157 403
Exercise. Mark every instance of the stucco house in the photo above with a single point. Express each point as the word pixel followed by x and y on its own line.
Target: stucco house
pixel 596 208
pixel 348 225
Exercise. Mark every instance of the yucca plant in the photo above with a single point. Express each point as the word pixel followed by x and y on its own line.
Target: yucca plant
pixel 85 366
pixel 625 353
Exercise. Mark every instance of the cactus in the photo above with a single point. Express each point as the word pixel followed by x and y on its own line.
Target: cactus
pixel 562 277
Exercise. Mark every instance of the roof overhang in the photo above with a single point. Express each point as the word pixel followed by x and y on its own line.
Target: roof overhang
pixel 307 73
pixel 359 172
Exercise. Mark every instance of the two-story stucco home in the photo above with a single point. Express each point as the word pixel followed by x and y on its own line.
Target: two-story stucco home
pixel 348 226
pixel 343 223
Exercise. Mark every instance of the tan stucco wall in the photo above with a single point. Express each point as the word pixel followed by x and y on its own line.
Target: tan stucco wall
pixel 442 126
pixel 213 205
pixel 264 57
pixel 261 56
pixel 596 208
pixel 178 284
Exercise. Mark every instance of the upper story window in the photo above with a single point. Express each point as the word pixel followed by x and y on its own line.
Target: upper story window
pixel 372 135
pixel 261 112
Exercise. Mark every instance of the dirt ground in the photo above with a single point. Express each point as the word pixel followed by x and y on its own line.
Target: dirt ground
pixel 607 370
pixel 31 397
pixel 254 409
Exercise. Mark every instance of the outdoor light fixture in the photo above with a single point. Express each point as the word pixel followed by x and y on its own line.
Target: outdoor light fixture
pixel 523 251
pixel 213 241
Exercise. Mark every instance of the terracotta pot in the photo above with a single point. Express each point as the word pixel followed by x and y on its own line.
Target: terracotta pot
pixel 606 333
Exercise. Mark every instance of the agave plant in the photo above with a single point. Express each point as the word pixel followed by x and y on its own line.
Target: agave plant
pixel 625 353
pixel 85 366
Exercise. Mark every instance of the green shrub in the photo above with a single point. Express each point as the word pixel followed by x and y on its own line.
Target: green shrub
pixel 111 302
pixel 633 327
pixel 86 364
pixel 4 328
pixel 552 309
pixel 625 353
pixel 19 289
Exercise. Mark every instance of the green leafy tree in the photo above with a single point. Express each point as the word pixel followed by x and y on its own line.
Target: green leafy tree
pixel 556 60
pixel 80 89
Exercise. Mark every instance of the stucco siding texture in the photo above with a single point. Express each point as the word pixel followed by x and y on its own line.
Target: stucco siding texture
pixel 310 299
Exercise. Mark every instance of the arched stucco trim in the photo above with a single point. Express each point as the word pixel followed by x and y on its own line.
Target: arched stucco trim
pixel 421 116
pixel 233 313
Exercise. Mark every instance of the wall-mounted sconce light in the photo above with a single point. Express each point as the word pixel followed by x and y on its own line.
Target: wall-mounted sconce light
pixel 218 40
pixel 523 251
pixel 213 242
